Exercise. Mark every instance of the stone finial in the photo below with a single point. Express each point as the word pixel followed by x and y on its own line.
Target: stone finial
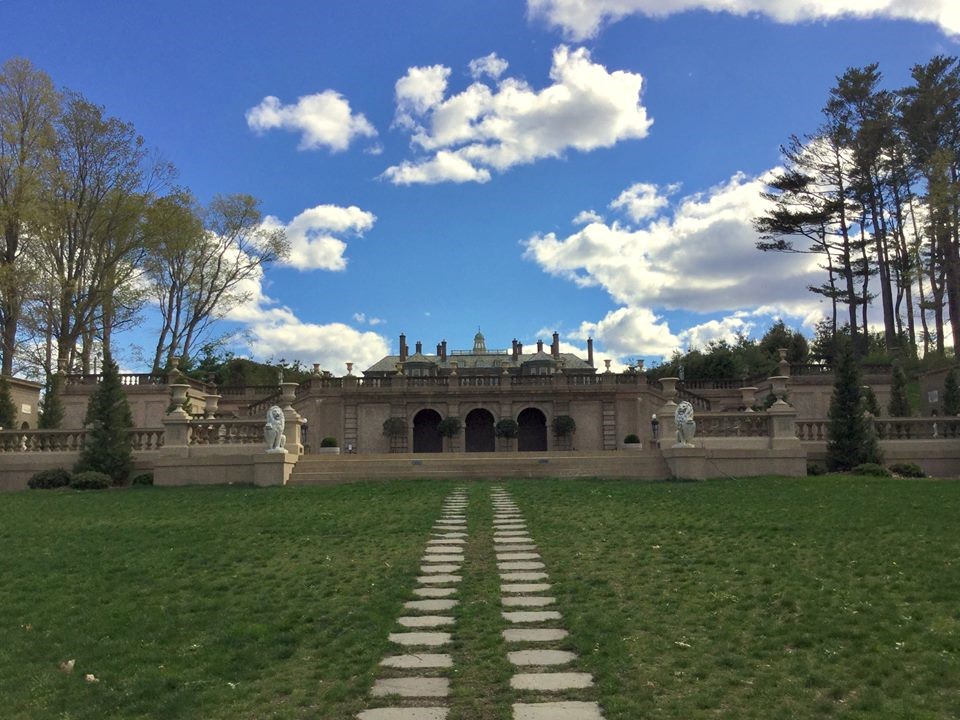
pixel 349 368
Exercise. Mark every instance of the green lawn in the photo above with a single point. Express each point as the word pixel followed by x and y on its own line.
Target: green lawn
pixel 759 598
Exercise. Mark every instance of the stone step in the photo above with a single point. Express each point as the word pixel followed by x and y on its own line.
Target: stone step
pixel 422 660
pixel 412 687
pixel 566 710
pixel 541 658
pixel 427 639
pixel 405 713
pixel 534 634
pixel 551 682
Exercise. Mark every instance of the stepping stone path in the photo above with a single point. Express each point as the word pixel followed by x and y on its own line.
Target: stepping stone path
pixel 532 625
pixel 412 681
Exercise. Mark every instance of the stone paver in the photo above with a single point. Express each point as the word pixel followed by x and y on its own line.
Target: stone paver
pixel 412 687
pixel 425 621
pixel 566 710
pixel 511 536
pixel 551 682
pixel 434 592
pixel 405 713
pixel 445 549
pixel 427 639
pixel 439 568
pixel 438 579
pixel 514 547
pixel 530 616
pixel 431 605
pixel 524 587
pixel 522 576
pixel 527 601
pixel 418 661
pixel 518 556
pixel 541 657
pixel 521 565
pixel 450 535
pixel 534 634
pixel 433 557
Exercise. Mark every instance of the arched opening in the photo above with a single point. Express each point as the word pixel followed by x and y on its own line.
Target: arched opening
pixel 479 431
pixel 426 433
pixel 25 426
pixel 532 431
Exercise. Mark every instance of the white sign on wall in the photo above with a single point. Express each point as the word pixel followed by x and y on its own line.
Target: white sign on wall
pixel 933 396
pixel 25 409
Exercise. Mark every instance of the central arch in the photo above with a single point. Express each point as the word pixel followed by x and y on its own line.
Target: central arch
pixel 426 432
pixel 479 431
pixel 532 431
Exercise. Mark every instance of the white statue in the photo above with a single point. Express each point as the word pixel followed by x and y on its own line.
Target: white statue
pixel 686 427
pixel 273 431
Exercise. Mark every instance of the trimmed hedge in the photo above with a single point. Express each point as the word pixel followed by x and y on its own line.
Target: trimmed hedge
pixel 49 479
pixel 907 470
pixel 631 439
pixel 91 480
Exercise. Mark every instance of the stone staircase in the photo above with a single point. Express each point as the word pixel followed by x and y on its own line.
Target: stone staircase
pixel 646 464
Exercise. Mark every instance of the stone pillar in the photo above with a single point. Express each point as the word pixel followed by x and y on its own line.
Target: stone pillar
pixel 667 414
pixel 783 426
pixel 176 423
pixel 291 418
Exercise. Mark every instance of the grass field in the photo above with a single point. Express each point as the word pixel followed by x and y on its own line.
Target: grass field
pixel 824 597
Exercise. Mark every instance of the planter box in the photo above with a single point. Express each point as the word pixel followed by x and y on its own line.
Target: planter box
pixel 328 451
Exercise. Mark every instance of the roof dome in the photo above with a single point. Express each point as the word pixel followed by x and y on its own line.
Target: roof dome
pixel 479 344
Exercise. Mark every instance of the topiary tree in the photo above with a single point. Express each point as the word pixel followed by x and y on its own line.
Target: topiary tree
pixel 899 405
pixel 51 407
pixel 8 411
pixel 506 428
pixel 564 425
pixel 870 403
pixel 395 428
pixel 850 438
pixel 951 395
pixel 449 427
pixel 108 421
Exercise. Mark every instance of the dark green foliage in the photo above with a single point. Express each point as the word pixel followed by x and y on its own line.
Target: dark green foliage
pixel 815 469
pixel 907 470
pixel 51 407
pixel 850 438
pixel 507 428
pixel 564 425
pixel 225 369
pixel 899 405
pixel 91 480
pixel 142 479
pixel 870 403
pixel 449 426
pixel 780 336
pixel 870 468
pixel 108 422
pixel 951 394
pixel 8 411
pixel 329 442
pixel 631 439
pixel 48 479
pixel 394 427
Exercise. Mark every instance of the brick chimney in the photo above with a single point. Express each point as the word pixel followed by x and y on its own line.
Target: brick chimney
pixel 519 348
pixel 419 347
pixel 539 346
pixel 443 350
pixel 555 345
pixel 438 350
pixel 513 353
pixel 590 352
pixel 403 347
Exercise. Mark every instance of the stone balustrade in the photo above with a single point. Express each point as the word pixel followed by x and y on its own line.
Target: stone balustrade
pixel 225 432
pixel 42 441
pixel 910 428
pixel 812 430
pixel 731 424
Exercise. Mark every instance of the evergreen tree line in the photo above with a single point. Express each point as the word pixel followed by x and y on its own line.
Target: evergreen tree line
pixel 874 195
pixel 94 227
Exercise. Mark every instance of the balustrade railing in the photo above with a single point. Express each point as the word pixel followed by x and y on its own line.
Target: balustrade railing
pixel 226 432
pixel 40 441
pixel 716 425
pixel 926 428
pixel 812 430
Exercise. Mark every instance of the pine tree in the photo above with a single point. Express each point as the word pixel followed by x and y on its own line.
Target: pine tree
pixel 51 407
pixel 899 405
pixel 8 411
pixel 109 420
pixel 870 403
pixel 951 395
pixel 850 438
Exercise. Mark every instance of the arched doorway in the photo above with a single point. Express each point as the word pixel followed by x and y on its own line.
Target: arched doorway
pixel 479 431
pixel 532 431
pixel 426 433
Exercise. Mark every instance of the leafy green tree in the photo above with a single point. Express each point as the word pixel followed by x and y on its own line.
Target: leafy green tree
pixel 51 407
pixel 8 411
pixel 850 438
pixel 899 404
pixel 107 448
pixel 780 336
pixel 951 394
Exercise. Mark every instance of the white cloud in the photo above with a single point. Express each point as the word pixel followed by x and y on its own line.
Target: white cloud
pixel 465 136
pixel 728 328
pixel 489 65
pixel 276 331
pixel 323 119
pixel 643 200
pixel 362 318
pixel 312 243
pixel 581 19
pixel 585 217
pixel 630 331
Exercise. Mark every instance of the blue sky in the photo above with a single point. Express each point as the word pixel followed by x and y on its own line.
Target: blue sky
pixel 443 166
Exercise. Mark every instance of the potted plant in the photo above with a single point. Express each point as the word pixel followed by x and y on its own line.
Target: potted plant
pixel 632 442
pixel 329 446
pixel 449 427
pixel 507 430
pixel 563 427
pixel 395 428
